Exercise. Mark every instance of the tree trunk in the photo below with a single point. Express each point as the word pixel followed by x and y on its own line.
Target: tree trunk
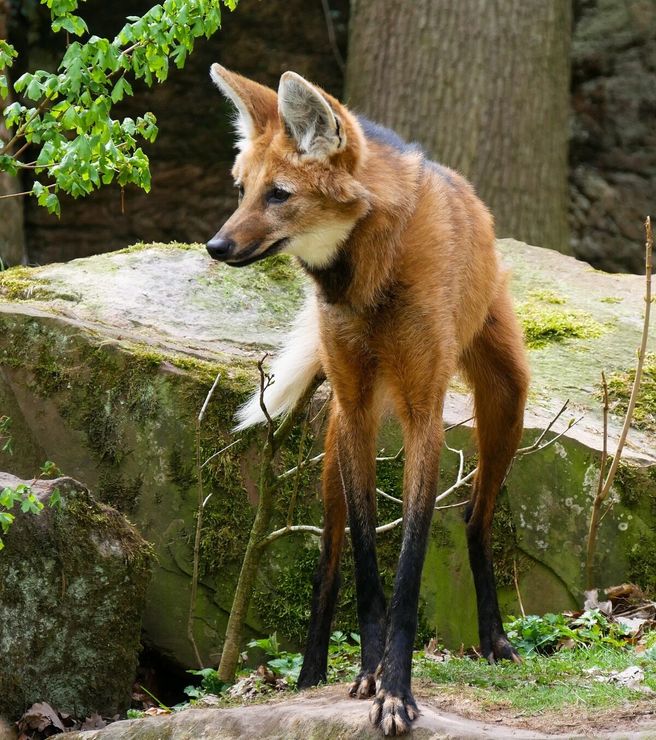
pixel 12 235
pixel 483 85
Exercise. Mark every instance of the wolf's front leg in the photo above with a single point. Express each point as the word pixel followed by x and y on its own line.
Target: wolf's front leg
pixel 394 707
pixel 357 463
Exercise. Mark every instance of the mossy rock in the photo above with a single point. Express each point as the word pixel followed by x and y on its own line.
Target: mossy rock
pixel 107 371
pixel 72 591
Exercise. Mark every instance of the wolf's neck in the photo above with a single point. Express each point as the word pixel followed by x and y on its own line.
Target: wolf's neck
pixel 334 281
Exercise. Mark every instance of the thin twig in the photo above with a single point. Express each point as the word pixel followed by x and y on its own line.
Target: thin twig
pixel 603 490
pixel 294 496
pixel 530 450
pixel 519 595
pixel 536 443
pixel 458 424
pixel 391 458
pixel 453 506
pixel 458 484
pixel 306 463
pixel 331 37
pixel 649 246
pixel 220 452
pixel 199 524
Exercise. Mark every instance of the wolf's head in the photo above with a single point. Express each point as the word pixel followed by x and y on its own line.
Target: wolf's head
pixel 296 172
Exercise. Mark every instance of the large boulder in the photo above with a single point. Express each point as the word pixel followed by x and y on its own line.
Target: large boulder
pixel 72 584
pixel 105 363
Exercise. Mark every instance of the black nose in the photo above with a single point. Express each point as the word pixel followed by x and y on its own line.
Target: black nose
pixel 220 248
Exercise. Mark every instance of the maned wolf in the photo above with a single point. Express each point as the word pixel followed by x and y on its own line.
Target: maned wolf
pixel 407 290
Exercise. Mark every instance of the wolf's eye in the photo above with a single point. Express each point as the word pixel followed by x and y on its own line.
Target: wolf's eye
pixel 240 191
pixel 277 195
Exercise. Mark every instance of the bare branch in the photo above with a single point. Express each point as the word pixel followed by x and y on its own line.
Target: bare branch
pixel 458 484
pixel 220 452
pixel 331 36
pixel 536 443
pixel 382 493
pixel 519 595
pixel 649 246
pixel 453 506
pixel 391 458
pixel 305 464
pixel 386 527
pixel 532 448
pixel 604 489
pixel 202 500
pixel 273 536
pixel 458 424
pixel 201 416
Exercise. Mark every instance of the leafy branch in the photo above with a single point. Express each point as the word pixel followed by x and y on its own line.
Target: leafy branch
pixel 78 145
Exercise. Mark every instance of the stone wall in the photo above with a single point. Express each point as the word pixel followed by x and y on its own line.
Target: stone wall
pixel 613 145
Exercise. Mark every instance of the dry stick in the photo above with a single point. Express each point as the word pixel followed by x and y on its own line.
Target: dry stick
pixel 604 490
pixel 331 36
pixel 199 525
pixel 519 595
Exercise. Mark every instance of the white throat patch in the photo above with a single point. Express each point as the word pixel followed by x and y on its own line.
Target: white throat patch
pixel 318 247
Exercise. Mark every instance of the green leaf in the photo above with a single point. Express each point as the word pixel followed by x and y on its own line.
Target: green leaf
pixel 55 500
pixel 52 204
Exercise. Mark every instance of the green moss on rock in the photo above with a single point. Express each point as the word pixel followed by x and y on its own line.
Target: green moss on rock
pixel 620 385
pixel 73 587
pixel 642 563
pixel 543 324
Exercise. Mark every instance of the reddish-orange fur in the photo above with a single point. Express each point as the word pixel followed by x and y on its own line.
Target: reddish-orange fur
pixel 425 296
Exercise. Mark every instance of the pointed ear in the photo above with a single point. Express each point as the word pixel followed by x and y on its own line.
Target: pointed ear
pixel 256 104
pixel 308 117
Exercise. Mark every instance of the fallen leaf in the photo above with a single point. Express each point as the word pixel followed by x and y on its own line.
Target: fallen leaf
pixel 41 716
pixel 94 722
pixel 157 711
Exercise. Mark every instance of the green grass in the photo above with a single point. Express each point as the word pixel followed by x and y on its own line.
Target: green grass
pixel 542 683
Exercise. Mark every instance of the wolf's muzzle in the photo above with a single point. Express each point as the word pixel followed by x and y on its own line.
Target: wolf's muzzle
pixel 220 248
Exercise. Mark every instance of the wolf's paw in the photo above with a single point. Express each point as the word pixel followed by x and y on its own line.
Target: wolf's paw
pixel 500 648
pixel 364 686
pixel 393 714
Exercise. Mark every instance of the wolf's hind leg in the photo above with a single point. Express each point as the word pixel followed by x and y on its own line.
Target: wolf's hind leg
pixel 326 579
pixel 495 365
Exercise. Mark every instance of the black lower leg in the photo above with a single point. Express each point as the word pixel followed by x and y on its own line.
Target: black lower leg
pixel 324 598
pixel 397 663
pixel 494 643
pixel 394 707
pixel 370 600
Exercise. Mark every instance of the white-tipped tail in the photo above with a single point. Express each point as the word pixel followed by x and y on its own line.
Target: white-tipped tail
pixel 292 370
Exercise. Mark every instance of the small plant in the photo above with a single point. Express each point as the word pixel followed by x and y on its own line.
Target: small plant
pixel 22 495
pixel 283 663
pixel 210 684
pixel 546 634
pixel 343 656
